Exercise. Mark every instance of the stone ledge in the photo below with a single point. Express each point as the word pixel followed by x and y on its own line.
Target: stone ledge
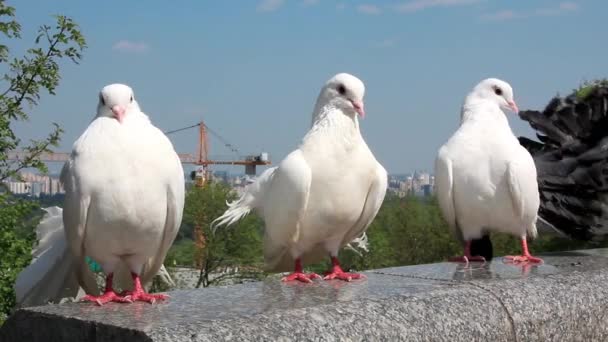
pixel 563 300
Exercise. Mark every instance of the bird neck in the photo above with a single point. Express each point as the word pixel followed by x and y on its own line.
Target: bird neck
pixel 331 123
pixel 482 111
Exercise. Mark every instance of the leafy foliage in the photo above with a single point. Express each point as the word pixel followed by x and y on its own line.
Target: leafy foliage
pixel 223 250
pixel 25 80
pixel 587 86
pixel 16 238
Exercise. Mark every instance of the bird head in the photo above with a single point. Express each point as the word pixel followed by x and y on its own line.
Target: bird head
pixel 116 101
pixel 343 91
pixel 497 91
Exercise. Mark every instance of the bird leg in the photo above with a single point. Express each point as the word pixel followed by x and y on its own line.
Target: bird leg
pixel 467 257
pixel 139 294
pixel 525 257
pixel 108 295
pixel 336 272
pixel 298 274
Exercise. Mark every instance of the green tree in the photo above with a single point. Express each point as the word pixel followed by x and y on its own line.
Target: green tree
pixel 228 248
pixel 24 82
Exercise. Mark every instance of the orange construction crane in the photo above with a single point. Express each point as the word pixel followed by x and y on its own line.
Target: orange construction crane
pixel 202 175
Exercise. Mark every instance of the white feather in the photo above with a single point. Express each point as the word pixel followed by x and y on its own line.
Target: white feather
pixel 250 199
pixel 50 276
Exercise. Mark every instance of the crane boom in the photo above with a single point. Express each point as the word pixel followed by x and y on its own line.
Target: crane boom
pixel 201 158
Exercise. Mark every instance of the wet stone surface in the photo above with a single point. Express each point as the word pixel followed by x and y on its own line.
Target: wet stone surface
pixel 563 299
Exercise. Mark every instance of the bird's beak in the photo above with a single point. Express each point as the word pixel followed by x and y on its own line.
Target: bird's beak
pixel 119 113
pixel 513 106
pixel 359 108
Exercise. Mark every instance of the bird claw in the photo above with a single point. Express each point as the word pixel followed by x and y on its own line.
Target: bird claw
pixel 141 296
pixel 516 259
pixel 346 276
pixel 301 276
pixel 109 296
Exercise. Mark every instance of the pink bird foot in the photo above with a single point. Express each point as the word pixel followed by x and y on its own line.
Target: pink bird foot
pixel 515 259
pixel 525 257
pixel 108 296
pixel 336 272
pixel 298 274
pixel 467 257
pixel 301 276
pixel 140 295
pixel 341 275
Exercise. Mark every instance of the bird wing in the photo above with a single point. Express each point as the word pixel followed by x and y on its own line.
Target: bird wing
pixel 175 206
pixel 523 188
pixel 76 205
pixel 283 209
pixel 373 202
pixel 444 184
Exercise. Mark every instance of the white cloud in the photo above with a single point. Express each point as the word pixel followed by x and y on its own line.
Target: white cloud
pixel 340 6
pixel 308 3
pixel 562 8
pixel 369 9
pixel 129 46
pixel 419 5
pixel 269 5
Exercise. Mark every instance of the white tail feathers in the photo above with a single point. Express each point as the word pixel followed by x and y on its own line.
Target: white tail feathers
pixel 236 210
pixel 359 243
pixel 50 276
pixel 251 199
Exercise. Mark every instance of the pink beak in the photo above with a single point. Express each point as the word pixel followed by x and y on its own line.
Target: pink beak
pixel 358 105
pixel 513 106
pixel 119 113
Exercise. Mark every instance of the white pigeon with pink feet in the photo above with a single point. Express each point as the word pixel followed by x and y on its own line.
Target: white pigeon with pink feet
pixel 485 180
pixel 324 194
pixel 125 193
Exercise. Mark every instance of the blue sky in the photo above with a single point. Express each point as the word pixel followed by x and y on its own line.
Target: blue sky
pixel 252 69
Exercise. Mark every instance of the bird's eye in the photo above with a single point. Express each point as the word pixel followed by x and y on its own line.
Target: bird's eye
pixel 341 89
pixel 131 98
pixel 497 91
pixel 102 100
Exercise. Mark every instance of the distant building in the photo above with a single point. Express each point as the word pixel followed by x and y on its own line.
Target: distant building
pixel 420 183
pixel 34 185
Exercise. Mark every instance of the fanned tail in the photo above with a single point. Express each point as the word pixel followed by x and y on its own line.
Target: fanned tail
pixel 50 276
pixel 360 243
pixel 572 162
pixel 251 199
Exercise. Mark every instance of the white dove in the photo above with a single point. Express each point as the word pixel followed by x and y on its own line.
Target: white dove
pixel 124 200
pixel 485 180
pixel 324 194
